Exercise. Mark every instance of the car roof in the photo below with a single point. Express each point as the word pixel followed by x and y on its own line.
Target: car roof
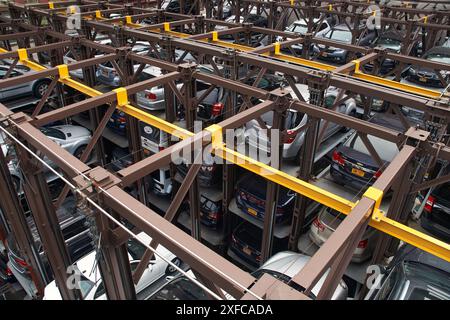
pixel 409 253
pixel 438 50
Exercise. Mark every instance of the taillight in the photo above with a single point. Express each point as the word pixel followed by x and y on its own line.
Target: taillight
pixel 161 148
pixel 258 258
pixel 217 109
pixel 122 119
pixel 429 204
pixel 8 272
pixel 363 244
pixel 377 174
pixel 213 215
pixel 150 96
pixel 318 225
pixel 337 157
pixel 290 137
pixel 21 262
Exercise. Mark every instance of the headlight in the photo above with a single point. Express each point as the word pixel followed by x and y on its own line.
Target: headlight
pixel 339 51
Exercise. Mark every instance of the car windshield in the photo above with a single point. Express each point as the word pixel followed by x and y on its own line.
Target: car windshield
pixel 298 28
pixel 439 58
pixel 385 149
pixel 341 35
pixel 135 249
pixel 181 289
pixel 389 42
pixel 53 133
pixel 85 285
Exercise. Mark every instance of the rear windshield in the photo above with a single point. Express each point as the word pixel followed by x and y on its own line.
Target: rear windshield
pixel 181 289
pixel 385 149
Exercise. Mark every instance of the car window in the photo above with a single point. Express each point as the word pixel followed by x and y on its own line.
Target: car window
pixel 341 35
pixel 439 58
pixel 181 289
pixel 100 290
pixel 135 249
pixel 323 26
pixel 11 75
pixel 386 150
pixel 53 133
pixel 388 284
pixel 299 28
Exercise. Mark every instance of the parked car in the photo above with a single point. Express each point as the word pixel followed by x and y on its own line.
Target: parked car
pixel 72 221
pixel 341 34
pixel 268 81
pixel 255 38
pixel 91 284
pixel 120 158
pixel 285 265
pixel 413 274
pixel 255 136
pixel 174 6
pixel 6 275
pixel 246 243
pixel 180 288
pixel 390 40
pixel 211 213
pixel 36 88
pixel 251 198
pixel 300 28
pixel 73 139
pixel 209 174
pixel 227 9
pixel 326 223
pixel 435 216
pixel 352 163
pixel 428 76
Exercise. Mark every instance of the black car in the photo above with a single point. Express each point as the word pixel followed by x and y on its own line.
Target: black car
pixel 435 216
pixel 211 213
pixel 392 42
pixel 268 82
pixel 208 175
pixel 246 242
pixel 75 233
pixel 174 6
pixel 353 165
pixel 120 158
pixel 6 275
pixel 413 274
pixel 251 198
pixel 428 76
pixel 180 288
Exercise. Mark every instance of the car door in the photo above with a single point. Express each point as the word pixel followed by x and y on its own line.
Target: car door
pixel 17 90
pixel 153 272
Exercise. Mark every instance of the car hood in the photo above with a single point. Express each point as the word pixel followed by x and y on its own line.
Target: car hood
pixel 75 131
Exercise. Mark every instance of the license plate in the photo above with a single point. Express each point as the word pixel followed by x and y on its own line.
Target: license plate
pixel 252 211
pixel 247 251
pixel 358 172
pixel 423 79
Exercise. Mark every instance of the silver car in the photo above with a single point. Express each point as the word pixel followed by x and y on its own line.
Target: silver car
pixel 285 265
pixel 326 223
pixel 36 88
pixel 73 139
pixel 256 137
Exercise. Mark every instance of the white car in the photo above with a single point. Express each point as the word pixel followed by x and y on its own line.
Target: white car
pixel 91 285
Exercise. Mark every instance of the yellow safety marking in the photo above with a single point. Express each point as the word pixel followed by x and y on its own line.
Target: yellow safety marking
pixel 330 7
pixel 377 196
pixel 357 63
pixel 72 9
pixel 128 19
pixel 122 96
pixel 63 71
pixel 215 36
pixel 216 136
pixel 98 14
pixel 425 19
pixel 23 55
pixel 292 2
pixel 305 62
pixel 276 48
pixel 166 26
pixel 51 5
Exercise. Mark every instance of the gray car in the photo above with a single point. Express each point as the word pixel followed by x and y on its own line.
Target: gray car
pixel 285 265
pixel 73 139
pixel 256 137
pixel 36 88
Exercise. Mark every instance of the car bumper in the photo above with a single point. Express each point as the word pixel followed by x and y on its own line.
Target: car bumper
pixel 108 81
pixel 243 258
pixel 345 178
pixel 429 82
pixel 435 228
pixel 150 105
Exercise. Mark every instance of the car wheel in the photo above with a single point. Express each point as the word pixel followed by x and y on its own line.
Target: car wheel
pixel 171 269
pixel 79 152
pixel 347 129
pixel 40 88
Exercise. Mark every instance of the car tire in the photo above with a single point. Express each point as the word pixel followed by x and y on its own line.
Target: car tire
pixel 347 129
pixel 170 269
pixel 40 88
pixel 80 151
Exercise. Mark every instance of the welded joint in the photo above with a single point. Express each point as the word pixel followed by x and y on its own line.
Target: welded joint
pixel 98 14
pixel 51 5
pixel 23 54
pixel 166 26
pixel 128 20
pixel 276 48
pixel 357 65
pixel 215 36
pixel 63 71
pixel 216 136
pixel 377 196
pixel 122 96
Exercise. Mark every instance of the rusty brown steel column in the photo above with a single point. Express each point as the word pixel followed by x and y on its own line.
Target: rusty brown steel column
pixel 113 261
pixel 38 197
pixel 272 192
pixel 317 84
pixel 12 210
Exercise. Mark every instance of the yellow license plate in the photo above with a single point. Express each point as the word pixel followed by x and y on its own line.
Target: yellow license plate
pixel 252 211
pixel 247 251
pixel 358 172
pixel 423 79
